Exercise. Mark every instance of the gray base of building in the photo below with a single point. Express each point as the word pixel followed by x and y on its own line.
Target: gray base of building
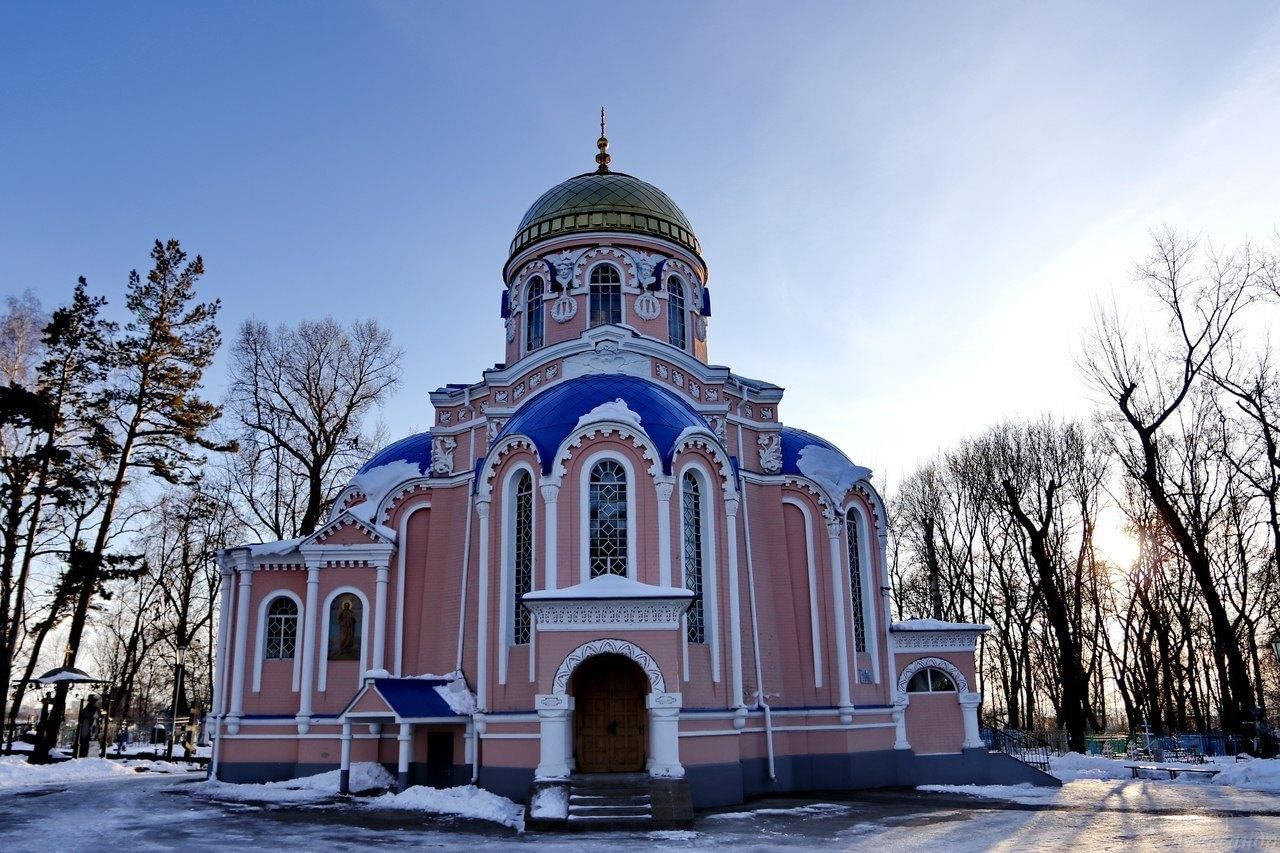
pixel 713 785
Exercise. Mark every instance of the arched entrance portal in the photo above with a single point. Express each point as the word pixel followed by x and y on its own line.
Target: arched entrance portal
pixel 609 719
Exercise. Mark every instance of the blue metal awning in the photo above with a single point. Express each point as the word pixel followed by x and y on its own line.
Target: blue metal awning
pixel 405 699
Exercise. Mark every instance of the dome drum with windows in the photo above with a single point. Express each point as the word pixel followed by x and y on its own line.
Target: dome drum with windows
pixel 604 554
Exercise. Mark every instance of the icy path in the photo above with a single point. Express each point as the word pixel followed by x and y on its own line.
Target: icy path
pixel 160 813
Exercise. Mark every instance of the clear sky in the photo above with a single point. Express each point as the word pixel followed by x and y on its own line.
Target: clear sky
pixel 907 207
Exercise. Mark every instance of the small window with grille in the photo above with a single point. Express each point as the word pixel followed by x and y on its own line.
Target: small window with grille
pixel 282 629
pixel 607 522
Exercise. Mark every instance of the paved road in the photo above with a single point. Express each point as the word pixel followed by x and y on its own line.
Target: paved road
pixel 160 813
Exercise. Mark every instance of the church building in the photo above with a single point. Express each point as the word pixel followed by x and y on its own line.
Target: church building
pixel 609 558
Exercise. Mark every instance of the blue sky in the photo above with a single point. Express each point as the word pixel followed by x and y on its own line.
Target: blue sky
pixel 907 207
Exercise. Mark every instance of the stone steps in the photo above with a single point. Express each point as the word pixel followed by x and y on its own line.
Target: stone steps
pixel 610 800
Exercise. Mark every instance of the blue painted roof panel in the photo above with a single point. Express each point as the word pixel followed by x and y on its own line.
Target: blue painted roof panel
pixel 415 448
pixel 795 440
pixel 414 697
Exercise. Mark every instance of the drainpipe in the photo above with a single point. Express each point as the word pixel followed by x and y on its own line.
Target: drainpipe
pixel 755 624
pixel 466 560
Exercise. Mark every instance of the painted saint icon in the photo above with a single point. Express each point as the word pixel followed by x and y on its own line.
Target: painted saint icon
pixel 345 617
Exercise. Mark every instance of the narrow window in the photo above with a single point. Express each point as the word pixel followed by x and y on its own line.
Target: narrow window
pixel 691 491
pixel 675 312
pixel 282 629
pixel 607 525
pixel 522 549
pixel 346 622
pixel 533 315
pixel 606 295
pixel 855 582
pixel 930 680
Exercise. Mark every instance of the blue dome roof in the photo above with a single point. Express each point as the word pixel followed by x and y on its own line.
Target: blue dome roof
pixel 414 449
pixel 794 441
pixel 821 461
pixel 552 415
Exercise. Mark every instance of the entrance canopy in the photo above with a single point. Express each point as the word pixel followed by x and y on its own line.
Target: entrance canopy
pixel 412 700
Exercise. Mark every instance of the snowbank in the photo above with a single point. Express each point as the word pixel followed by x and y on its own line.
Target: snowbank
pixel 17 774
pixel 551 802
pixel 365 776
pixel 1073 766
pixel 1257 774
pixel 464 801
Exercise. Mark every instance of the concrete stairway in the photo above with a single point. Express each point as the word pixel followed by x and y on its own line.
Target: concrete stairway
pixel 610 799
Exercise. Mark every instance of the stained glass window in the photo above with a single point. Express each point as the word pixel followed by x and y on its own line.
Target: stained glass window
pixel 523 553
pixel 533 315
pixel 675 312
pixel 607 524
pixel 695 617
pixel 282 629
pixel 855 582
pixel 606 295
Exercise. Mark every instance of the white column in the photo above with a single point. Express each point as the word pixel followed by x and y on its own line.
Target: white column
pixel 664 485
pixel 735 608
pixel 664 723
pixel 899 716
pixel 309 619
pixel 242 646
pixel 550 567
pixel 969 703
pixel 377 668
pixel 839 595
pixel 482 619
pixel 224 637
pixel 554 715
pixel 405 739
pixel 344 773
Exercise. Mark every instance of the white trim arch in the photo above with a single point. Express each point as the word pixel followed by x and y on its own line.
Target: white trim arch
pixel 506 582
pixel 711 510
pixel 623 275
pixel 605 428
pixel 587 464
pixel 700 437
pixel 322 635
pixel 493 459
pixel 575 658
pixel 902 697
pixel 261 638
pixel 811 553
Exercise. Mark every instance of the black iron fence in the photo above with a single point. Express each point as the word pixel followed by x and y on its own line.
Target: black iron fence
pixel 1025 747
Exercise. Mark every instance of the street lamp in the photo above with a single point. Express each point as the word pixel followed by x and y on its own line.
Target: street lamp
pixel 177 692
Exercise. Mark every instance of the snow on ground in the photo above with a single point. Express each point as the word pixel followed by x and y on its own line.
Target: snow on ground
pixel 797 811
pixel 365 776
pixel 17 774
pixel 466 801
pixel 550 802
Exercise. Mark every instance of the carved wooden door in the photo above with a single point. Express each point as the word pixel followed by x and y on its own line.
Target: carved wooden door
pixel 609 717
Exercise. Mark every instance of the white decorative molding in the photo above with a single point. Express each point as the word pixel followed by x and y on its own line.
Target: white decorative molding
pixel 571 662
pixel 607 356
pixel 564 309
pixel 770 452
pixel 442 455
pixel 511 328
pixel 700 327
pixel 563 264
pixel 697 437
pixel 936 641
pixel 638 438
pixel 904 678
pixel 605 254
pixel 647 307
pixel 646 263
pixel 612 410
pixel 619 614
pixel 717 424
pixel 495 456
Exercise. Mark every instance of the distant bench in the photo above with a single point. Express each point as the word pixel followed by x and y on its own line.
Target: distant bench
pixel 1172 771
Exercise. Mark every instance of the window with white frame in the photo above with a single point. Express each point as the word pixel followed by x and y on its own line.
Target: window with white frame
pixel 282 629
pixel 606 295
pixel 607 519
pixel 691 509
pixel 855 581
pixel 675 312
pixel 533 315
pixel 522 553
pixel 931 680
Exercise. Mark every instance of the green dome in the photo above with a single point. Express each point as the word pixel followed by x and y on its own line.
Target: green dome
pixel 604 201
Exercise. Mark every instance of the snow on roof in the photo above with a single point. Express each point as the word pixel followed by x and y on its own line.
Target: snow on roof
pixel 936 625
pixel 613 410
pixel 609 586
pixel 819 460
pixel 270 549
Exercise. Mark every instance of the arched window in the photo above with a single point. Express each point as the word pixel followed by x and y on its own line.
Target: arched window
pixel 533 315
pixel 522 554
pixel 282 629
pixel 855 582
pixel 675 312
pixel 606 295
pixel 607 524
pixel 691 509
pixel 931 680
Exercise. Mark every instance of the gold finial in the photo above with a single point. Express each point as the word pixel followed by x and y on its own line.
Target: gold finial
pixel 602 158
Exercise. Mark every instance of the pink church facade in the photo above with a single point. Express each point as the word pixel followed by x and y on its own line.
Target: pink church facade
pixel 608 555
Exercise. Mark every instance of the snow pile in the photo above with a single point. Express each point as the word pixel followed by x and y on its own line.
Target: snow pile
pixel 1255 775
pixel 936 625
pixel 16 773
pixel 1073 766
pixel 551 802
pixel 617 410
pixel 365 776
pixel 465 801
pixel 460 699
pixel 830 469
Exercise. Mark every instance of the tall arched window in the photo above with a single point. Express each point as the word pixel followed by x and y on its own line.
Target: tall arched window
pixel 606 295
pixel 691 506
pixel 533 315
pixel 675 312
pixel 607 522
pixel 855 582
pixel 522 553
pixel 282 629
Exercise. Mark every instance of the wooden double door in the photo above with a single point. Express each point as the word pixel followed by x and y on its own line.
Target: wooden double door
pixel 609 718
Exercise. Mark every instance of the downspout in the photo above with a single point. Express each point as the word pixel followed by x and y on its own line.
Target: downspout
pixel 755 624
pixel 466 560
